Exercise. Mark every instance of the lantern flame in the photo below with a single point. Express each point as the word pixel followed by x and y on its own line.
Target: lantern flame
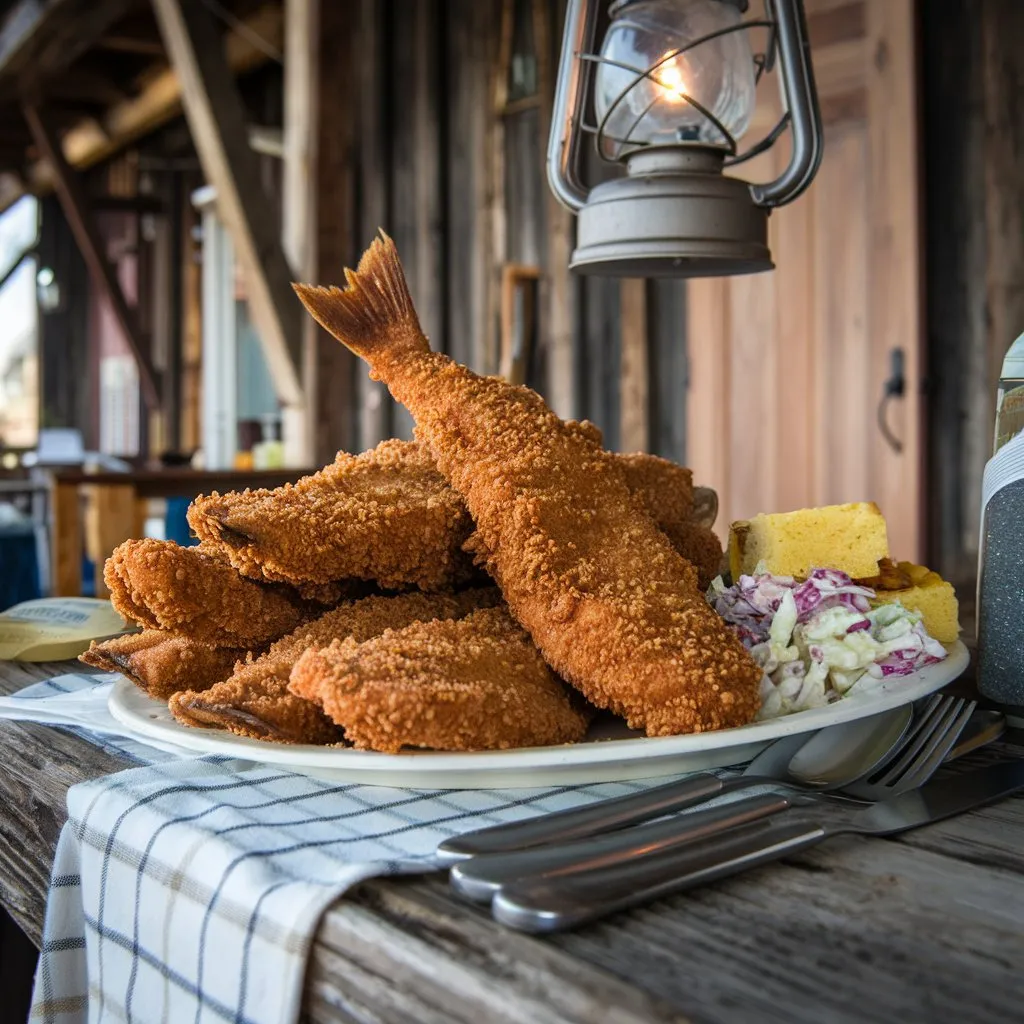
pixel 670 76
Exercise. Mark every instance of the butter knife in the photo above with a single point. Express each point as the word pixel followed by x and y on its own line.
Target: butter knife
pixel 560 903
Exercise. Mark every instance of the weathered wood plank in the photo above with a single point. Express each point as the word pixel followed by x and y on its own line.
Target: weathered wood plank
pixel 217 122
pixel 470 47
pixel 404 946
pixel 65 540
pixel 40 764
pixel 336 243
pixel 908 931
pixel 634 425
pixel 375 83
pixel 668 370
pixel 894 280
pixel 558 302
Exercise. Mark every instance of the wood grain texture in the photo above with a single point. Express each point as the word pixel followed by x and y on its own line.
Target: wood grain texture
pixel 65 540
pixel 894 312
pixel 908 930
pixel 634 404
pixel 792 369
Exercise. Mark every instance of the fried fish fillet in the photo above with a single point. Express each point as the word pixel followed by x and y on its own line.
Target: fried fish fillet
pixel 161 663
pixel 255 700
pixel 614 609
pixel 161 585
pixel 386 515
pixel 699 546
pixel 476 683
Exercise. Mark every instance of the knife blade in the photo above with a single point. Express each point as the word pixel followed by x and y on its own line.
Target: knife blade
pixel 553 905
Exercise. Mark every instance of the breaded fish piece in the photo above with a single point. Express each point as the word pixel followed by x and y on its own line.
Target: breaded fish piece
pixel 386 515
pixel 699 546
pixel 664 488
pixel 476 683
pixel 161 663
pixel 255 700
pixel 614 609
pixel 161 585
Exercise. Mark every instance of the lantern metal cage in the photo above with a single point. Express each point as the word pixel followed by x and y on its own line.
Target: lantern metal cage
pixel 674 212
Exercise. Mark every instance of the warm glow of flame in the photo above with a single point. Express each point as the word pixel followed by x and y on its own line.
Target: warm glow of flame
pixel 670 75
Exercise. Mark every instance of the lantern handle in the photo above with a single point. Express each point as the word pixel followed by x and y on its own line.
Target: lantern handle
pixel 567 113
pixel 794 53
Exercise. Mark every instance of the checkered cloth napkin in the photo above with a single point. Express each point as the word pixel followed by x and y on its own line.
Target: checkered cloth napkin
pixel 189 889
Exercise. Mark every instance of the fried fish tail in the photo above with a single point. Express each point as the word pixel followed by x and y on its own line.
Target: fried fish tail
pixel 161 663
pixel 604 595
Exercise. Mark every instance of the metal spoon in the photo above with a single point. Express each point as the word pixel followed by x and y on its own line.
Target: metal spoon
pixel 834 757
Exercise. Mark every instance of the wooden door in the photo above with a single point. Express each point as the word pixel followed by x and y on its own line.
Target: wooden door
pixel 788 368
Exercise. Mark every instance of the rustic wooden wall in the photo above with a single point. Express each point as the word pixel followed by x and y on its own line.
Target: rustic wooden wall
pixel 973 111
pixel 445 107
pixel 788 368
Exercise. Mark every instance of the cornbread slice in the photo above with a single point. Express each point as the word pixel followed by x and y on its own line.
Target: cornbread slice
pixel 851 538
pixel 930 595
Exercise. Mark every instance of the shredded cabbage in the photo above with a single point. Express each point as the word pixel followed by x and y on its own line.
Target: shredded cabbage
pixel 821 639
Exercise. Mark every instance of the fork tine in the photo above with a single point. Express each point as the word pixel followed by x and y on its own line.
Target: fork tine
pixel 928 764
pixel 938 717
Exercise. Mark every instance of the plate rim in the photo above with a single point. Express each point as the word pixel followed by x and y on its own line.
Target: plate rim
pixel 133 708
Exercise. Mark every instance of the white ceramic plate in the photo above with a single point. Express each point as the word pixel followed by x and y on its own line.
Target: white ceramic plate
pixel 610 753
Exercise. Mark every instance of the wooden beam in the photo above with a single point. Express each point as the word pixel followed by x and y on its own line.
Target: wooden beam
pixel 93 140
pixel 131 44
pixel 76 207
pixel 39 39
pixel 336 245
pixel 217 120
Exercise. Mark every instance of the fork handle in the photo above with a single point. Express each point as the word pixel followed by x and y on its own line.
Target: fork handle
pixel 479 878
pixel 550 906
pixel 578 822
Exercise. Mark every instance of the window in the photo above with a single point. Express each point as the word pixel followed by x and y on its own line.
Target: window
pixel 19 359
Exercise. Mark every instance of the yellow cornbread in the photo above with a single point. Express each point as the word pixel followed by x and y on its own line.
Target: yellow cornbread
pixel 933 597
pixel 851 538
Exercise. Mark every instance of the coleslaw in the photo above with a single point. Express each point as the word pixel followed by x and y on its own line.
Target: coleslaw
pixel 822 638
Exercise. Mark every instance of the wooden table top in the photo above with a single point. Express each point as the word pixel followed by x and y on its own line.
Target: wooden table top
pixel 924 927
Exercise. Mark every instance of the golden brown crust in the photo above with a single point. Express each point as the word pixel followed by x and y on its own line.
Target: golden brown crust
pixel 699 546
pixel 187 591
pixel 255 700
pixel 612 606
pixel 664 488
pixel 476 683
pixel 161 663
pixel 386 515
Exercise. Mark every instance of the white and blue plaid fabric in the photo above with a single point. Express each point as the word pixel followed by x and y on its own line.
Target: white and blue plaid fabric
pixel 189 889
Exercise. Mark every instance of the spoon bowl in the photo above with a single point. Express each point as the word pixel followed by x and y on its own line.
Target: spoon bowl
pixel 837 756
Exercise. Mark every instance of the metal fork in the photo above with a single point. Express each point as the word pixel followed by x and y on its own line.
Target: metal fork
pixel 910 764
pixel 613 879
pixel 924 749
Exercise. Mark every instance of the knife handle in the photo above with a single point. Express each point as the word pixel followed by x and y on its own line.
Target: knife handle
pixel 550 906
pixel 602 816
pixel 479 878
